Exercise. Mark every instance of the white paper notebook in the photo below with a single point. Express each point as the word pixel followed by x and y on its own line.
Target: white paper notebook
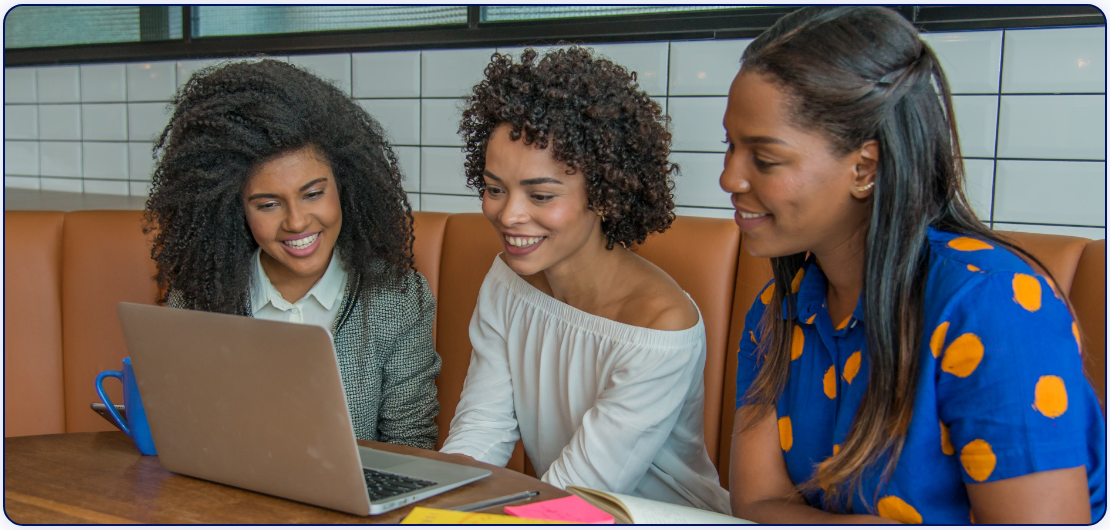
pixel 627 509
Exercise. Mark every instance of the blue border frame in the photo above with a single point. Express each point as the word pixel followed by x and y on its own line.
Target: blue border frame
pixel 9 5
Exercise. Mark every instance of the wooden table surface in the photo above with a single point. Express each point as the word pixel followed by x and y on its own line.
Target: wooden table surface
pixel 101 478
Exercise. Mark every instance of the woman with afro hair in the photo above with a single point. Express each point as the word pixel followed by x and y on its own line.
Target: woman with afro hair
pixel 590 354
pixel 277 197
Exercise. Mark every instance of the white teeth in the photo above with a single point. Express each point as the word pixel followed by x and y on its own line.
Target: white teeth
pixel 744 215
pixel 522 242
pixel 303 243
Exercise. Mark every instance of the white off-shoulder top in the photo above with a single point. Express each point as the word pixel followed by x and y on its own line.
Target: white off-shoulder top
pixel 597 403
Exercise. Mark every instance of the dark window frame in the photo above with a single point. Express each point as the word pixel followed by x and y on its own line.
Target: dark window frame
pixel 700 25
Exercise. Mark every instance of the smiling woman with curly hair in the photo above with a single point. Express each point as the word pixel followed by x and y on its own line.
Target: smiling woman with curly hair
pixel 277 197
pixel 590 354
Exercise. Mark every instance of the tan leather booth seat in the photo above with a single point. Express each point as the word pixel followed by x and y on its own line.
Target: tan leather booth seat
pixel 65 273
pixel 33 388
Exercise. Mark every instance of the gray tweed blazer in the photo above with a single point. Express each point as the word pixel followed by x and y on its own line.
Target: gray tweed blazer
pixel 386 360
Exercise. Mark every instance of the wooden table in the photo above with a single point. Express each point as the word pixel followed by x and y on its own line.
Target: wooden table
pixel 101 478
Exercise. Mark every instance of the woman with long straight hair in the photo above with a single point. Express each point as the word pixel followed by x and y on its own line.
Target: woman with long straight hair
pixel 906 363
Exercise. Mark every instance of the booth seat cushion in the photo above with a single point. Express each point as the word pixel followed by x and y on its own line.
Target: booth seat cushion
pixel 107 261
pixel 33 323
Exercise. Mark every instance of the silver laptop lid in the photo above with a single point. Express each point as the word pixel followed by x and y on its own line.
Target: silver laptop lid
pixel 246 402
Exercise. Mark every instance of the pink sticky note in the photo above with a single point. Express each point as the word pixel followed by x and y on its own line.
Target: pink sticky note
pixel 570 509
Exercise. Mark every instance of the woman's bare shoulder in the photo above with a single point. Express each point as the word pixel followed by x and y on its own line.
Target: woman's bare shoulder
pixel 655 300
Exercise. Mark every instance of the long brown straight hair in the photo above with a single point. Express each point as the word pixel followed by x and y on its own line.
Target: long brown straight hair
pixel 857 74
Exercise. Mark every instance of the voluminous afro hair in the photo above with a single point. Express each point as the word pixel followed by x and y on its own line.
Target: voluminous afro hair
pixel 595 119
pixel 227 120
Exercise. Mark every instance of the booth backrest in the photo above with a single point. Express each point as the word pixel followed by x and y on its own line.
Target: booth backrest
pixel 107 261
pixel 65 273
pixel 33 388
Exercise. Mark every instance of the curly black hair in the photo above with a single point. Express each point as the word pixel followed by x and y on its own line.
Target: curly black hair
pixel 596 120
pixel 227 120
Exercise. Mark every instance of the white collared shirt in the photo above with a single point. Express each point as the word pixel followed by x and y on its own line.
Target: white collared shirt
pixel 319 306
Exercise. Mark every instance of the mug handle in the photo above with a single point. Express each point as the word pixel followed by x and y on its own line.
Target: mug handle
pixel 104 397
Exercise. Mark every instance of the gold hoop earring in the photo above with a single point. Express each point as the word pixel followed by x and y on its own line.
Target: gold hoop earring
pixel 862 189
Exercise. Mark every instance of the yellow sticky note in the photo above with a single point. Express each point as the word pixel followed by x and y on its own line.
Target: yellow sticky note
pixel 421 515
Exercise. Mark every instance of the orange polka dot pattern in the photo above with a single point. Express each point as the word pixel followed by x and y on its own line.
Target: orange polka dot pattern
pixel 968 244
pixel 946 441
pixel 936 344
pixel 963 356
pixel 767 294
pixel 786 433
pixel 1027 292
pixel 896 509
pixel 1051 398
pixel 978 459
pixel 798 344
pixel 851 367
pixel 797 282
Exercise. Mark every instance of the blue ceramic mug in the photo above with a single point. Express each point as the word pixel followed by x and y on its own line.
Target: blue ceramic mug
pixel 136 426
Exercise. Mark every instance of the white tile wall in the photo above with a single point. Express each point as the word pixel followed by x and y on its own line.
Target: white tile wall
pixel 696 123
pixel 155 81
pixel 59 122
pixel 976 120
pixel 1050 115
pixel 705 68
pixel 409 160
pixel 60 159
pixel 649 61
pixel 21 158
pixel 59 84
pixel 1077 231
pixel 698 182
pixel 104 160
pixel 19 85
pixel 145 121
pixel 104 121
pixel 450 203
pixel 139 189
pixel 103 83
pixel 107 187
pixel 21 122
pixel 59 184
pixel 185 68
pixel 971 59
pixel 399 117
pixel 1068 193
pixel 441 171
pixel 439 122
pixel 720 213
pixel 386 74
pixel 139 163
pixel 25 183
pixel 332 67
pixel 1055 60
pixel 1071 127
pixel 451 73
pixel 980 186
pixel 414 201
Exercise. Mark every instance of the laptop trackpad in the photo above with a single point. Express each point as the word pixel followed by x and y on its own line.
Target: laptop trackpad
pixel 381 460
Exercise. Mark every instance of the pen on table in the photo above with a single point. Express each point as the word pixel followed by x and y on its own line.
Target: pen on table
pixel 495 501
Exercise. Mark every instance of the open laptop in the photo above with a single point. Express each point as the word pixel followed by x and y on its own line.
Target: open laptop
pixel 259 405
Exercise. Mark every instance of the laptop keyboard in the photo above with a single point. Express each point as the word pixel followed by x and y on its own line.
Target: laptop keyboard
pixel 381 485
